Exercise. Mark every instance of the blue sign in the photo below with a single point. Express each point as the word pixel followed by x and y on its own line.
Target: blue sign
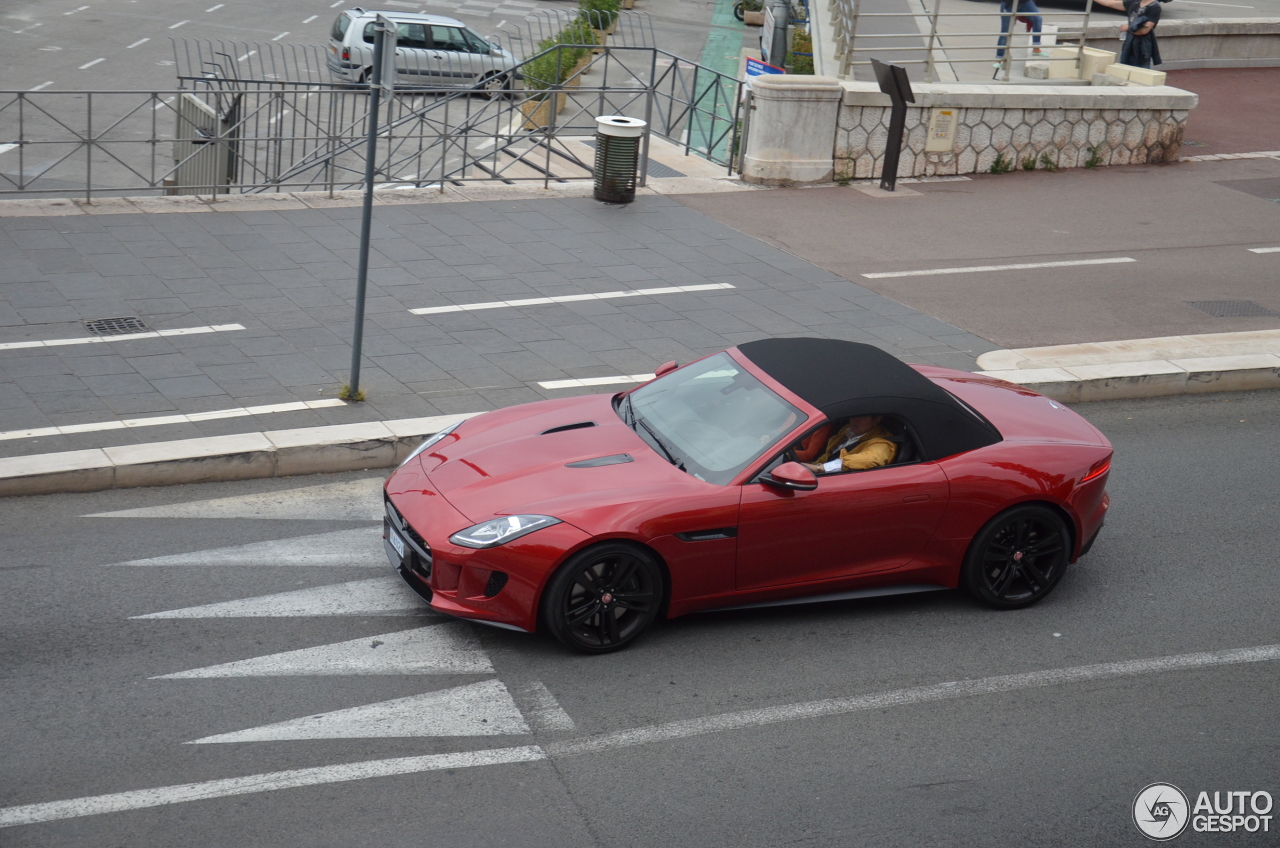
pixel 757 68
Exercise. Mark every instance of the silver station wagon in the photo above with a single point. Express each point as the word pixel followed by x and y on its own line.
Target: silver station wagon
pixel 431 52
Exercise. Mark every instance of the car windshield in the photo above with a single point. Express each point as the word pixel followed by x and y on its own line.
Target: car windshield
pixel 711 418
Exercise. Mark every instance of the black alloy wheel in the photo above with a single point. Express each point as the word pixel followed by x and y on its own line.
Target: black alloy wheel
pixel 603 598
pixel 1018 557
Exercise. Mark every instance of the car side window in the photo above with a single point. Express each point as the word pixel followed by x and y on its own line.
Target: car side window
pixel 340 27
pixel 476 43
pixel 413 36
pixel 449 38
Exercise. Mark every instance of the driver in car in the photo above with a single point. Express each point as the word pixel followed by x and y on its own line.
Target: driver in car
pixel 860 444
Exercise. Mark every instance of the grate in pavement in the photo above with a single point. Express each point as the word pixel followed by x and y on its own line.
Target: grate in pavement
pixel 1233 309
pixel 116 326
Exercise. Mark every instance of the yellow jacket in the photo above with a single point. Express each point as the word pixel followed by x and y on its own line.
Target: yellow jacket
pixel 872 451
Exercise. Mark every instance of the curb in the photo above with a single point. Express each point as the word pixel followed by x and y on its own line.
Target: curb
pixel 244 456
pixel 384 444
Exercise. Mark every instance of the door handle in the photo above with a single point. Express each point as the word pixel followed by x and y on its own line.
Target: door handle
pixel 915 498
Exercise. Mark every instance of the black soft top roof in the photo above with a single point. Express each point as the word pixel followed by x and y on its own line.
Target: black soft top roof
pixel 845 379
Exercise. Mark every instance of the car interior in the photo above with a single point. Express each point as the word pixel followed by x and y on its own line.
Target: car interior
pixel 811 445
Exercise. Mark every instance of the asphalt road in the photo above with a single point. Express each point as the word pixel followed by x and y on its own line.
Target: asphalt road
pixel 1185 565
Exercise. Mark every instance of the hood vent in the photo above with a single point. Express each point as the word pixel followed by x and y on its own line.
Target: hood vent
pixel 581 425
pixel 616 459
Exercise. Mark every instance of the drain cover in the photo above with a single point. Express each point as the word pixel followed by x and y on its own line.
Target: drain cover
pixel 1233 309
pixel 116 326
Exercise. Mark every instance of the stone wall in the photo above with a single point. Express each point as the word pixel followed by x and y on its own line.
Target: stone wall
pixel 1205 43
pixel 1120 125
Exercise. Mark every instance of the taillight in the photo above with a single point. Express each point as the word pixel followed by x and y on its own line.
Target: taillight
pixel 1099 468
pixel 346 55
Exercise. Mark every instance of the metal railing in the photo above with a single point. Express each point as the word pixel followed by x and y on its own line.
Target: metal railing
pixel 926 45
pixel 236 136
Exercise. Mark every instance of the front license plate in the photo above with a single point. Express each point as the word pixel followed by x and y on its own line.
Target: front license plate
pixel 396 541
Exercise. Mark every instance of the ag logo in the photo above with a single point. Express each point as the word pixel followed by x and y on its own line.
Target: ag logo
pixel 1160 811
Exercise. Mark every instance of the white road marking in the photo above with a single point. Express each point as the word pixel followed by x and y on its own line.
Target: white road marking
pixel 136 43
pixel 246 56
pixel 448 648
pixel 164 795
pixel 128 337
pixel 596 381
pixel 281 115
pixel 5 148
pixel 160 420
pixel 215 8
pixel 983 268
pixel 569 298
pixel 87 65
pixel 379 596
pixel 336 5
pixel 501 23
pixel 161 105
pixel 310 19
pixel 358 548
pixel 144 798
pixel 541 709
pixel 41 85
pixel 179 23
pixel 73 11
pixel 478 709
pixel 280 36
pixel 353 500
pixel 1264 250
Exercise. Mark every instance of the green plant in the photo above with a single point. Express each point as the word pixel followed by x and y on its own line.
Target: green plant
pixel 1029 163
pixel 1002 165
pixel 1095 158
pixel 752 5
pixel 1046 162
pixel 843 181
pixel 578 34
pixel 600 14
pixel 344 393
pixel 800 57
pixel 549 67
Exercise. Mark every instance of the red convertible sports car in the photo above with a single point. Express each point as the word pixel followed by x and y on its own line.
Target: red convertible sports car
pixel 780 471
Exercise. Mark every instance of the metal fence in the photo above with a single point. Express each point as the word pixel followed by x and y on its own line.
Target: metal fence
pixel 916 38
pixel 231 136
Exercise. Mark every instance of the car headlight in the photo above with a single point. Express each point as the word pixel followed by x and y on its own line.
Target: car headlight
pixel 431 441
pixel 499 531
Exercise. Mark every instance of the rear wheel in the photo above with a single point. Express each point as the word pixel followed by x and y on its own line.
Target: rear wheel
pixel 603 598
pixel 495 85
pixel 1018 557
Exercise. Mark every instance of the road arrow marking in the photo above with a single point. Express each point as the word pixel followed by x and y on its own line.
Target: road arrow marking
pixel 448 648
pixel 479 709
pixel 380 596
pixel 355 500
pixel 356 548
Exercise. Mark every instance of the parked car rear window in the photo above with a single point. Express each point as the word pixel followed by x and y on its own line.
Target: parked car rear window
pixel 340 27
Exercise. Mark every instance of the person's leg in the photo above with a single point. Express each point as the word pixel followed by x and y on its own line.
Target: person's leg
pixel 1032 12
pixel 1005 17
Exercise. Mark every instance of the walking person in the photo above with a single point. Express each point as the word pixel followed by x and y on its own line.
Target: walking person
pixel 1028 11
pixel 1140 49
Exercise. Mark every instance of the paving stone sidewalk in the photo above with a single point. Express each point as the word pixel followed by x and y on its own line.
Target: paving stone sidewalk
pixel 289 277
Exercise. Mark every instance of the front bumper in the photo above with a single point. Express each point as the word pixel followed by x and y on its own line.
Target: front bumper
pixel 500 586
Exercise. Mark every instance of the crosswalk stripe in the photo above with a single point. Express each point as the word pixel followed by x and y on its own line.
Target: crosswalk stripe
pixel 355 548
pixel 354 500
pixel 379 596
pixel 478 709
pixel 446 648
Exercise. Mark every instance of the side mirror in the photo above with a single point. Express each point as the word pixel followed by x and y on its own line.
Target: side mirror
pixel 792 475
pixel 666 368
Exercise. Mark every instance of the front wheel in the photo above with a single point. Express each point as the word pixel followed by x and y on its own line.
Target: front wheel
pixel 738 10
pixel 1018 557
pixel 496 85
pixel 603 598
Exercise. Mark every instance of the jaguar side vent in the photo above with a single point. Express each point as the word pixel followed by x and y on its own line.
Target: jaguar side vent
pixel 497 579
pixel 581 425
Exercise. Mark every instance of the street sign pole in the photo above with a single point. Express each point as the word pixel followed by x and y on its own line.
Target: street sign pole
pixel 893 82
pixel 383 79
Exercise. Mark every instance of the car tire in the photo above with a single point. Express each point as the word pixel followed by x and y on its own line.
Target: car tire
pixel 603 597
pixel 1017 558
pixel 495 85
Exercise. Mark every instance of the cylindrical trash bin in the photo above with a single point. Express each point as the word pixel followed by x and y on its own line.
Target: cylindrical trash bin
pixel 617 155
